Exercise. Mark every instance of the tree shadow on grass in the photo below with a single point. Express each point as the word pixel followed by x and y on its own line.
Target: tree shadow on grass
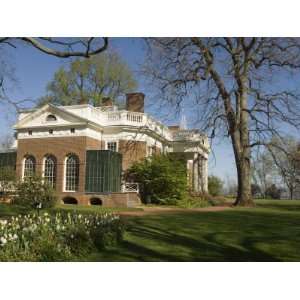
pixel 212 236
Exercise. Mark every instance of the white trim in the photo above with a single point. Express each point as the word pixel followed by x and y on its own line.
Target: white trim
pixel 23 165
pixel 62 132
pixel 55 168
pixel 65 173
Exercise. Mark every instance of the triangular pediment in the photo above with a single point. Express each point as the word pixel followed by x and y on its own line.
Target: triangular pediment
pixel 39 118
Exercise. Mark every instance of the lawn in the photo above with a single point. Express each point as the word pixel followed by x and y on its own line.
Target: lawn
pixel 268 232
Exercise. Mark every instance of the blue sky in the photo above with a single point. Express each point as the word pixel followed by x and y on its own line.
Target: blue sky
pixel 34 70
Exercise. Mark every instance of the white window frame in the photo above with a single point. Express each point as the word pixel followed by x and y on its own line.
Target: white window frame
pixel 55 169
pixel 117 145
pixel 65 174
pixel 23 165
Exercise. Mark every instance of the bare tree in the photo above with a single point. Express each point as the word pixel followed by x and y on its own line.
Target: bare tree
pixel 286 156
pixel 6 142
pixel 264 170
pixel 61 47
pixel 237 88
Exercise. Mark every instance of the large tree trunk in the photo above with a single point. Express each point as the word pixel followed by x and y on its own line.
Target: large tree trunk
pixel 244 196
pixel 241 147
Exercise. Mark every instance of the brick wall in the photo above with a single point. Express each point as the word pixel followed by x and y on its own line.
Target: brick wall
pixel 108 200
pixel 131 151
pixel 60 147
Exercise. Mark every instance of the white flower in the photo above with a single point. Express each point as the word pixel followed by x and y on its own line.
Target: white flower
pixel 3 241
pixel 46 214
pixel 3 222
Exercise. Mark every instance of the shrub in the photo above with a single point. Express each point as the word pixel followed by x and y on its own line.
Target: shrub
pixel 192 201
pixel 7 180
pixel 255 190
pixel 199 200
pixel 215 185
pixel 162 178
pixel 57 237
pixel 273 192
pixel 34 190
pixel 216 200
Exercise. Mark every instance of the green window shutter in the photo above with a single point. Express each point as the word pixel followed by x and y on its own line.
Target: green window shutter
pixel 8 159
pixel 103 171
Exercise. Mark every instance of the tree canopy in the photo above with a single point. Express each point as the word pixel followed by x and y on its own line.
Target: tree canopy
pixel 89 80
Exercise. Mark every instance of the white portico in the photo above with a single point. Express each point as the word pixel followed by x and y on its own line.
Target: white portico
pixel 195 148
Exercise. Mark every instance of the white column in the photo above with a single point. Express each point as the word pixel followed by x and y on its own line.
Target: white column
pixel 205 174
pixel 196 178
pixel 189 170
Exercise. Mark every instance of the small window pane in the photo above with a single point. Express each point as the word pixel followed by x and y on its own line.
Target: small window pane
pixel 72 173
pixel 112 146
pixel 29 166
pixel 50 170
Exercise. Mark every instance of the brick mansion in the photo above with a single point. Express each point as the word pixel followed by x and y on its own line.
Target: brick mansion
pixel 82 150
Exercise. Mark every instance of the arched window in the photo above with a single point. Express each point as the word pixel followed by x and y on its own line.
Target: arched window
pixel 72 173
pixel 29 166
pixel 50 170
pixel 51 118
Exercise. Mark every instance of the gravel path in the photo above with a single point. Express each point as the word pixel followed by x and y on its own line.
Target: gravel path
pixel 162 210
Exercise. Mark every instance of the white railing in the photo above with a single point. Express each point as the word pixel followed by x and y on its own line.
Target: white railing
pixel 115 116
pixel 130 187
pixel 7 187
pixel 133 117
pixel 108 108
pixel 125 117
pixel 190 135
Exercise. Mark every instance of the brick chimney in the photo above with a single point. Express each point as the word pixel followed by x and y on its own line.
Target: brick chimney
pixel 135 102
pixel 83 101
pixel 174 128
pixel 106 101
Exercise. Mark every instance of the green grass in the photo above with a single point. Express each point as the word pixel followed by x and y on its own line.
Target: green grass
pixel 7 210
pixel 93 208
pixel 269 232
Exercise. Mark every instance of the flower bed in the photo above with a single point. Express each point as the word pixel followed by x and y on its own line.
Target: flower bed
pixel 57 237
